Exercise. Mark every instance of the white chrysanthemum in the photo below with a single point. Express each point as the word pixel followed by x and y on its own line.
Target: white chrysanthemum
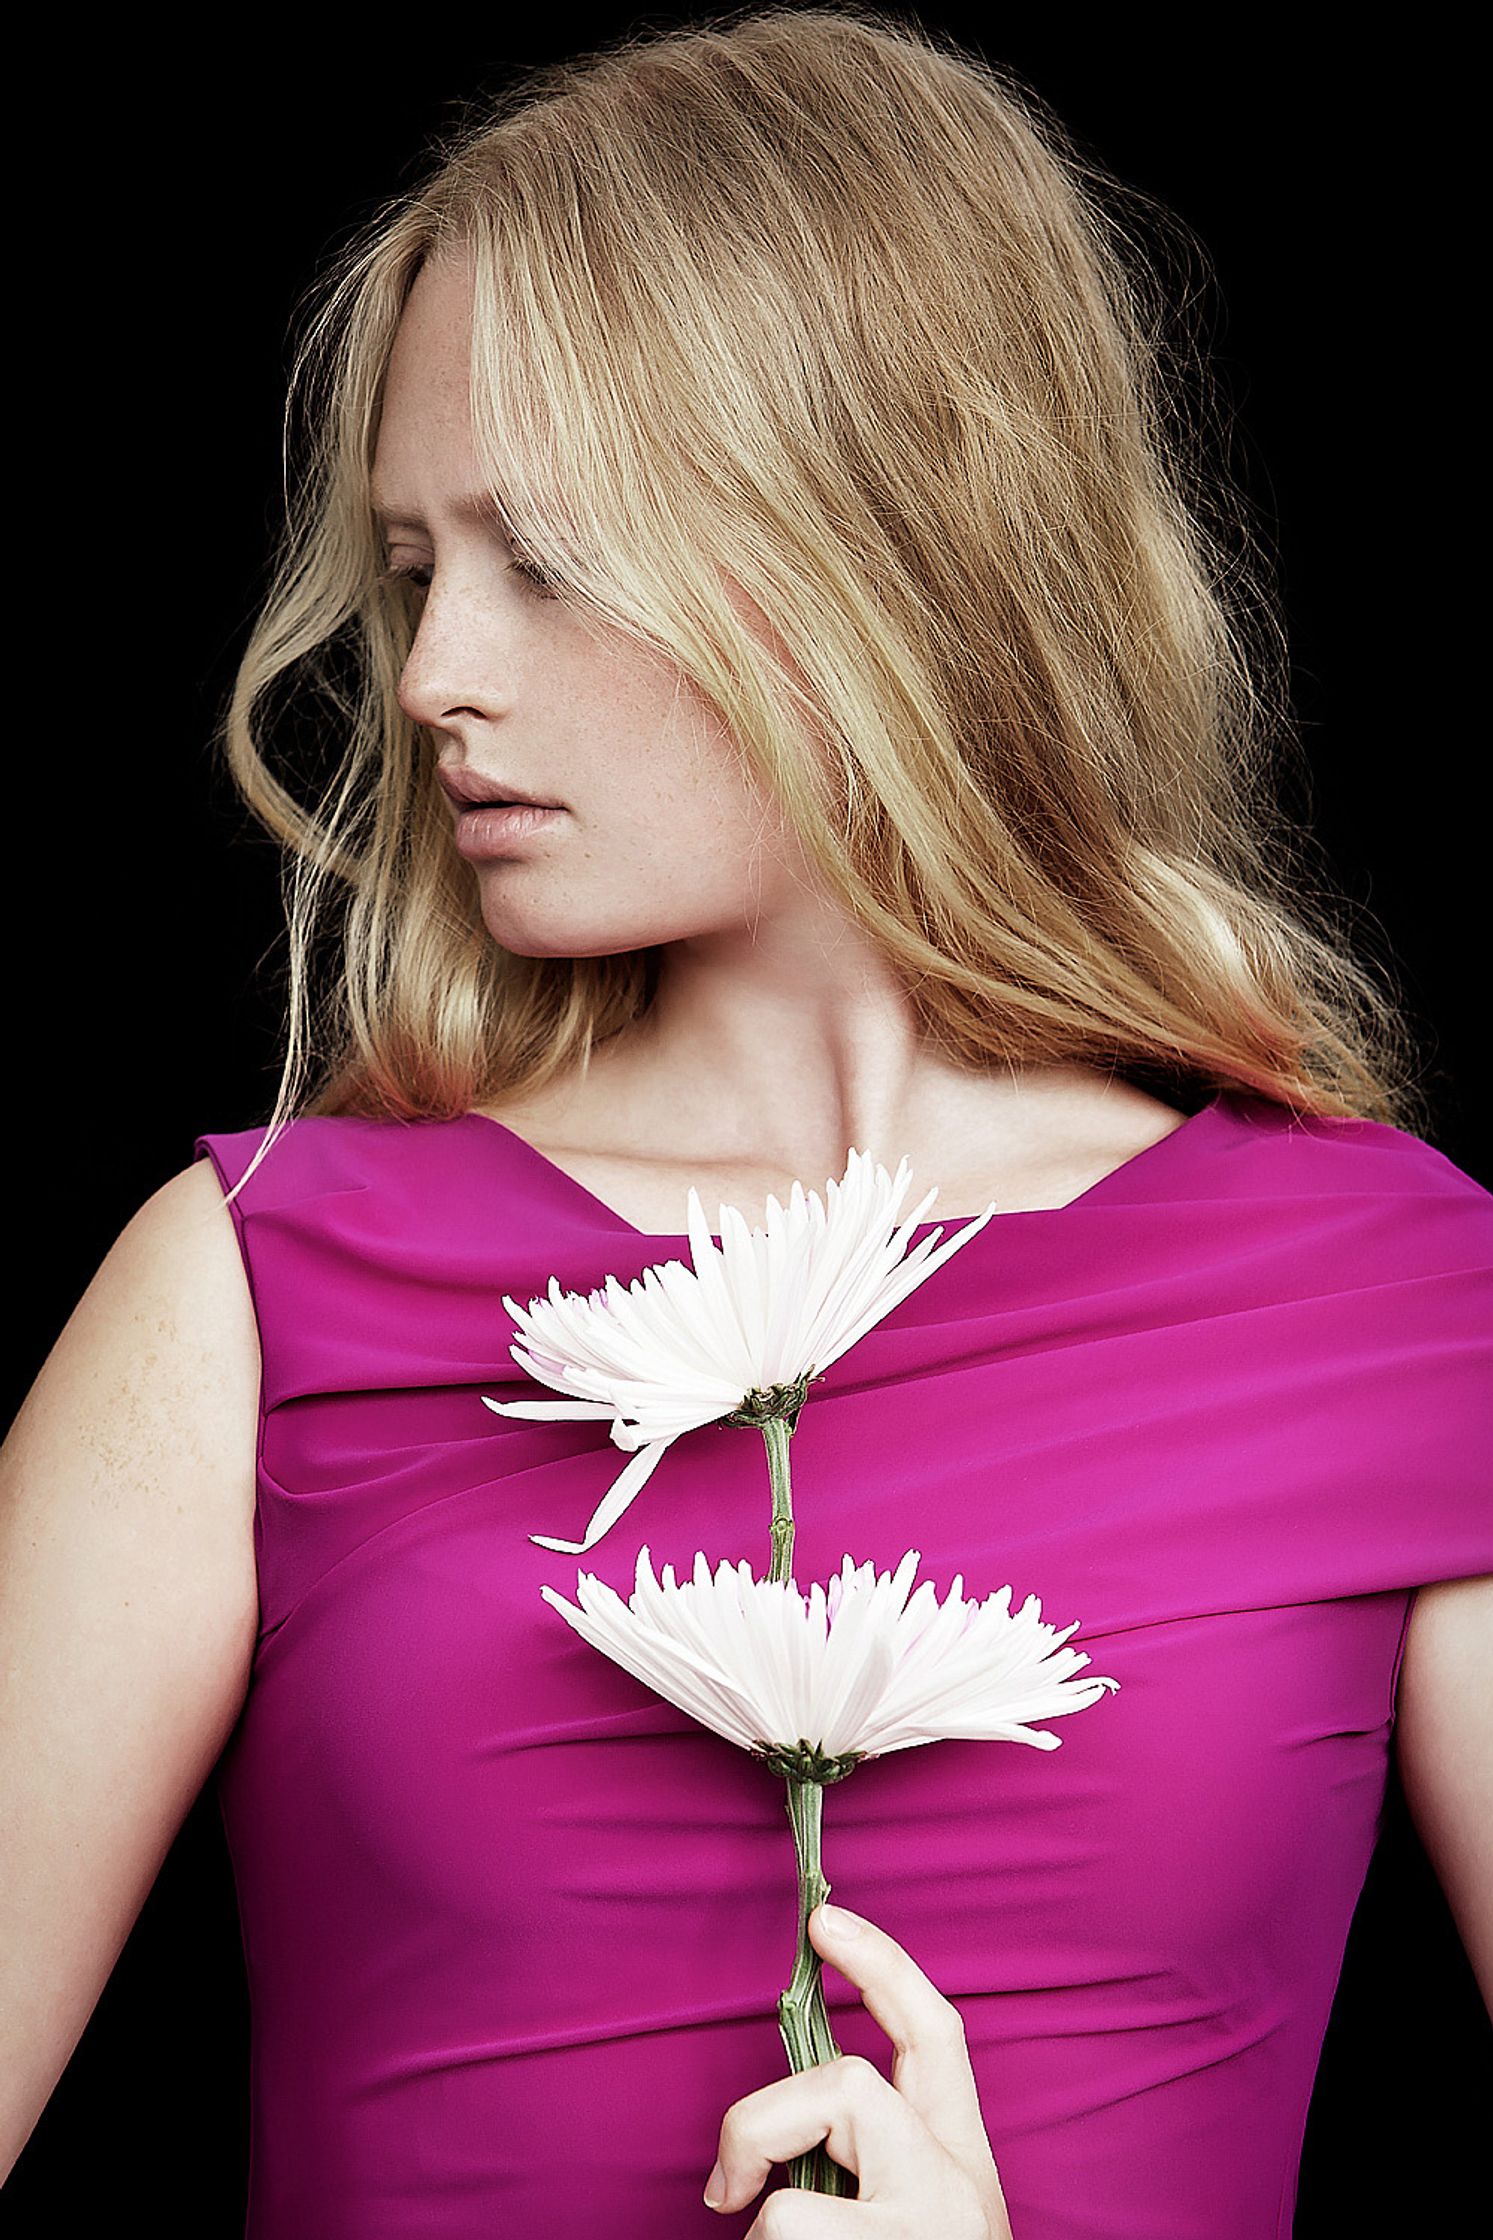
pixel 854 1670
pixel 682 1347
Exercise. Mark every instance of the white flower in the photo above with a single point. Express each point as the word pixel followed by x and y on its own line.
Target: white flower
pixel 852 1671
pixel 683 1347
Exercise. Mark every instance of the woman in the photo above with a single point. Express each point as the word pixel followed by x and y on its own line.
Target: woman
pixel 749 443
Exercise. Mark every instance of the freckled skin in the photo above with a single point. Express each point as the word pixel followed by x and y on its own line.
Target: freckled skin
pixel 664 840
pixel 778 1037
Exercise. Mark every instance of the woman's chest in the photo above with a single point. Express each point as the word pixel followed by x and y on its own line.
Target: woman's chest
pixel 969 1169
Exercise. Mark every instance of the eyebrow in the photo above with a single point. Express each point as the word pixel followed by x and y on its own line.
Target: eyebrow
pixel 479 506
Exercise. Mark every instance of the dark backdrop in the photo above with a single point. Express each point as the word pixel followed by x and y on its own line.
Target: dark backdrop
pixel 179 216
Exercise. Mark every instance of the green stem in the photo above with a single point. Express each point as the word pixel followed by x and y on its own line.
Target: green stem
pixel 777 1433
pixel 803 2018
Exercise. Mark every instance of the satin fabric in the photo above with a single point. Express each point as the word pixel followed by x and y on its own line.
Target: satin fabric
pixel 515 1927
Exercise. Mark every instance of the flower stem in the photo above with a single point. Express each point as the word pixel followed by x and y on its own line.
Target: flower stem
pixel 803 2018
pixel 777 1433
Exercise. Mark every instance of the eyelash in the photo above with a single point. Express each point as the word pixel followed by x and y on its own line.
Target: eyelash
pixel 527 570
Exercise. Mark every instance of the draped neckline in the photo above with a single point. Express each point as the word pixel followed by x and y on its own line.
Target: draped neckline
pixel 1152 1156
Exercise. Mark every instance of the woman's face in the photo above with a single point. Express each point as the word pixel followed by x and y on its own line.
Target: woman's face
pixel 659 836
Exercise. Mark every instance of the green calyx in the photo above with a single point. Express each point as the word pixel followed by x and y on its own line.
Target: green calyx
pixel 805 1762
pixel 779 1402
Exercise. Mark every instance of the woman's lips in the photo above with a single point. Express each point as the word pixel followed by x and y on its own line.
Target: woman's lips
pixel 495 828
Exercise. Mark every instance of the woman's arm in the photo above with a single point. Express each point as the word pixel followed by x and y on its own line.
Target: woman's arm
pixel 1444 1746
pixel 128 1612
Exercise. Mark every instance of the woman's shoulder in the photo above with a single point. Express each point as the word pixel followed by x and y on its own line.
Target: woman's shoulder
pixel 1349 1154
pixel 313 1151
pixel 1376 1200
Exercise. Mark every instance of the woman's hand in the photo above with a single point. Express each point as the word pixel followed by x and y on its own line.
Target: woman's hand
pixel 917 2145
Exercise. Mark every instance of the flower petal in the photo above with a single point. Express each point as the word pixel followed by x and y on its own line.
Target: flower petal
pixel 618 1497
pixel 856 1666
pixel 680 1347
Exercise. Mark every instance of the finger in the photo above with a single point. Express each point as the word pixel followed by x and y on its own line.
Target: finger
pixel 931 2069
pixel 791 2215
pixel 848 2104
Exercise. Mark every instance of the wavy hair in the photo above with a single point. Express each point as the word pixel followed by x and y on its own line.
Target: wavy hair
pixel 816 301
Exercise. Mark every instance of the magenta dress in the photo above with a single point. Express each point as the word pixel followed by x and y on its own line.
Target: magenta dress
pixel 515 1927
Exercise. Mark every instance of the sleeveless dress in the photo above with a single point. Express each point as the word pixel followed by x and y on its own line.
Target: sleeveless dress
pixel 515 1927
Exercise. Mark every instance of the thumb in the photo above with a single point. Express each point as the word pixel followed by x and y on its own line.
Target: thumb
pixel 931 2068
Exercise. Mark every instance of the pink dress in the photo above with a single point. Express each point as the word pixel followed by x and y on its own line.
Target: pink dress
pixel 515 1927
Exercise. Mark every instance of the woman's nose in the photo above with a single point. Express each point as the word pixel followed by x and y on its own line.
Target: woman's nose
pixel 456 665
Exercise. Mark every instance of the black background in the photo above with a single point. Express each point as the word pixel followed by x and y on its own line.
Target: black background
pixel 181 214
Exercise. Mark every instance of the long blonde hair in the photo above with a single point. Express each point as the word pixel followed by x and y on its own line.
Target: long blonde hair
pixel 813 300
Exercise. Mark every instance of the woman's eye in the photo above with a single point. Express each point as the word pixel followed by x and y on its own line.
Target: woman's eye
pixel 418 576
pixel 530 572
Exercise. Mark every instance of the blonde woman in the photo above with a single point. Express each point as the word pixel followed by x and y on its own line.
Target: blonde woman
pixel 746 448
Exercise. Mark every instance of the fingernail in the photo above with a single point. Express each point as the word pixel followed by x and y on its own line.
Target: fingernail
pixel 840 1922
pixel 715 2188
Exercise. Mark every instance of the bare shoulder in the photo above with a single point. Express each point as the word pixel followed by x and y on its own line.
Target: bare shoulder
pixel 128 1607
pixel 160 1356
pixel 179 1255
pixel 190 1212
